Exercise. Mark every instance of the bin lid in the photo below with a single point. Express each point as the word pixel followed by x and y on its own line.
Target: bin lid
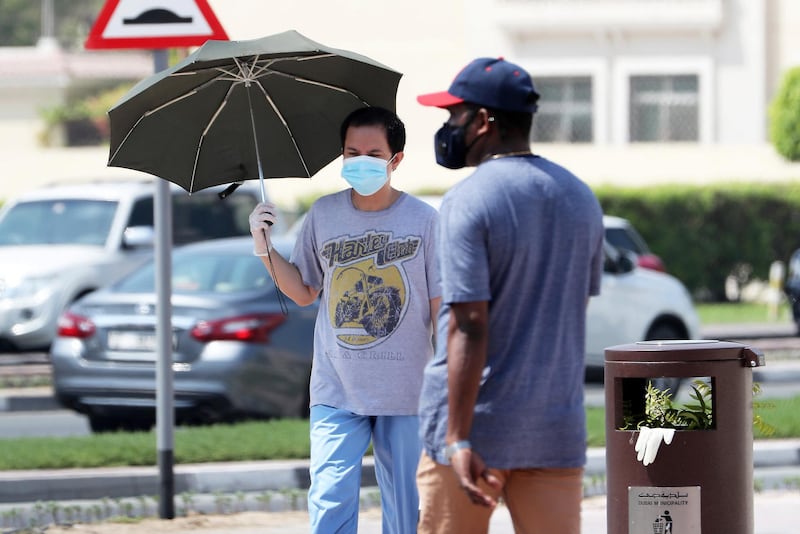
pixel 688 350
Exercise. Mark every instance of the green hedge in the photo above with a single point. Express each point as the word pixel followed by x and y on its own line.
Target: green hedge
pixel 705 233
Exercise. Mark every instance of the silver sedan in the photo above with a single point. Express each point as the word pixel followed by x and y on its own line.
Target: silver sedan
pixel 235 353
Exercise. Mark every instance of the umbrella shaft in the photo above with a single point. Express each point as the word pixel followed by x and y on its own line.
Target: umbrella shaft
pixel 255 141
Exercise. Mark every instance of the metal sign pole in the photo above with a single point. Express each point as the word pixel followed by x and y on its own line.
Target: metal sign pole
pixel 112 29
pixel 165 413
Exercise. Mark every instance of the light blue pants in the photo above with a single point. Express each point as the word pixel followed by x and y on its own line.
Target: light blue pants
pixel 339 440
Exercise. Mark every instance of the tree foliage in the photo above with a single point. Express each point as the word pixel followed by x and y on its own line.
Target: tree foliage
pixel 21 21
pixel 784 114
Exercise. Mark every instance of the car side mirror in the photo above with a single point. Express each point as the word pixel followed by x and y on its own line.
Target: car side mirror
pixel 618 261
pixel 627 261
pixel 138 237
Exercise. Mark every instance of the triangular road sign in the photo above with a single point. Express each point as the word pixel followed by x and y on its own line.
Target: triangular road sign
pixel 154 24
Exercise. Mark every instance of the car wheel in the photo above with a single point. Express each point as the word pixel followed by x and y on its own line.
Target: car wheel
pixel 305 407
pixel 666 332
pixel 103 423
pixel 108 423
pixel 138 424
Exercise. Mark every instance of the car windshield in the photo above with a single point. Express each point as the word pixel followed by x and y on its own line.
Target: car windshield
pixel 58 222
pixel 209 272
pixel 626 239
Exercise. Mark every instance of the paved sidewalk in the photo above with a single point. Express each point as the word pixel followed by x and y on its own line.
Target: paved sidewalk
pixel 775 512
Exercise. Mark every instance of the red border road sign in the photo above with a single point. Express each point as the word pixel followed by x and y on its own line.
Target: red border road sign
pixel 149 34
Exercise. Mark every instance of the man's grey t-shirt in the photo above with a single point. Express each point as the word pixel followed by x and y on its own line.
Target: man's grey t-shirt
pixel 526 235
pixel 377 272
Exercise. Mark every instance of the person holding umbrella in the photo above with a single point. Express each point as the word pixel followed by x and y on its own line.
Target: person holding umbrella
pixel 520 248
pixel 369 251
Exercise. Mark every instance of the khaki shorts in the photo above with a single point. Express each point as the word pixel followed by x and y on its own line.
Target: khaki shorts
pixel 540 501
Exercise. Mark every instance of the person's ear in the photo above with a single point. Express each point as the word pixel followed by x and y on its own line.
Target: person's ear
pixel 398 157
pixel 485 121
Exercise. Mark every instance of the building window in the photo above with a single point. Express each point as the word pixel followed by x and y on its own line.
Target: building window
pixel 664 108
pixel 565 110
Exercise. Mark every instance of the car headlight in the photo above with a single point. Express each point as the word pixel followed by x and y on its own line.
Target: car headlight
pixel 11 288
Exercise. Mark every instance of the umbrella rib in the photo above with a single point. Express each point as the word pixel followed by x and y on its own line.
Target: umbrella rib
pixel 159 108
pixel 205 132
pixel 309 81
pixel 319 84
pixel 251 71
pixel 286 127
pixel 147 114
pixel 127 135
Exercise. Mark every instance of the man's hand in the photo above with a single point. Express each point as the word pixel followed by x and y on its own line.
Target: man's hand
pixel 261 220
pixel 649 441
pixel 470 468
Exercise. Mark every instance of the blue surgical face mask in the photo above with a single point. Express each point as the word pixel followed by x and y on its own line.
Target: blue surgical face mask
pixel 365 174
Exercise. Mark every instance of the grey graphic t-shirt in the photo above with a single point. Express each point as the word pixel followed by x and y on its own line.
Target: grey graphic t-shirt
pixel 377 272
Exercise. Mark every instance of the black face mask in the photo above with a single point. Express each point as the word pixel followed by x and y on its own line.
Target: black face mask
pixel 450 145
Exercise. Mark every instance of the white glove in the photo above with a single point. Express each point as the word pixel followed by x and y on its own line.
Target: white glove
pixel 261 220
pixel 649 441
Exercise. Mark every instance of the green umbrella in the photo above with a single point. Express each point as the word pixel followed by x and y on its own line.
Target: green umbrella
pixel 237 110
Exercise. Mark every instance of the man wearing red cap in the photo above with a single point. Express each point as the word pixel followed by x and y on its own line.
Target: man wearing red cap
pixel 520 249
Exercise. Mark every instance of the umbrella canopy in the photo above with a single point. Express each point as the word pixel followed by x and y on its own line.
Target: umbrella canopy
pixel 236 110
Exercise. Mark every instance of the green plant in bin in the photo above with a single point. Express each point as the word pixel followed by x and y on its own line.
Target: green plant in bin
pixel 660 410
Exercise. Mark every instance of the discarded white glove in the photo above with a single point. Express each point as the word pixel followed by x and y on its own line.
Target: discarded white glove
pixel 261 220
pixel 649 441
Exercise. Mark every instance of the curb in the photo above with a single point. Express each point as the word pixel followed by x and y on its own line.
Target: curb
pixel 114 483
pixel 774 462
pixel 28 399
pixel 748 331
pixel 121 482
pixel 28 403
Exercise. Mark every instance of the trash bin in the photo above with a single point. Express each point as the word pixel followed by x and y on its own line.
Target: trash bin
pixel 703 480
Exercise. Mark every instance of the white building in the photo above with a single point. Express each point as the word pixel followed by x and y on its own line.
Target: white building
pixel 634 92
pixel 629 71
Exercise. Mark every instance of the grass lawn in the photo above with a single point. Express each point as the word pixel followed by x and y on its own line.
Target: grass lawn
pixel 263 440
pixel 740 312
